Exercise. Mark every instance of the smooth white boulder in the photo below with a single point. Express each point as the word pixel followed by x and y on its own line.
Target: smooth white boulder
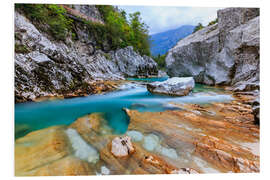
pixel 176 86
pixel 122 146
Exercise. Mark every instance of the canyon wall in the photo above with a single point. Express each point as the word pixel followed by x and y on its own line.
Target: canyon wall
pixel 47 67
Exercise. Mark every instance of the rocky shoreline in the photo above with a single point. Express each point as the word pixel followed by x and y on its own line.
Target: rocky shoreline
pixel 69 68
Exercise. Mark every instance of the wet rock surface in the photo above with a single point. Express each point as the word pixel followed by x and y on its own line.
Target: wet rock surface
pixel 217 137
pixel 173 86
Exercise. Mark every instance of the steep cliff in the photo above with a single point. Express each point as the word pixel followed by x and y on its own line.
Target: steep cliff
pixel 45 66
pixel 224 53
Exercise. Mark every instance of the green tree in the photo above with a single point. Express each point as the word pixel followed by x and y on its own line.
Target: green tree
pixel 213 22
pixel 48 18
pixel 160 60
pixel 198 27
pixel 140 34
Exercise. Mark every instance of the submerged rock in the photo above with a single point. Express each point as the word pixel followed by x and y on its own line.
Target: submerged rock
pixel 135 135
pixel 47 152
pixel 151 142
pixel 173 86
pixel 82 150
pixel 168 152
pixel 122 146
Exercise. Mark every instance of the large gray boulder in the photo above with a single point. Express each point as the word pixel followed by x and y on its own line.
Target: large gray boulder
pixel 224 53
pixel 131 64
pixel 173 86
pixel 47 67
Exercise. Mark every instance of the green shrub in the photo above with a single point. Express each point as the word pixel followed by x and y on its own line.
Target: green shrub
pixel 213 22
pixel 48 14
pixel 108 56
pixel 198 27
pixel 19 48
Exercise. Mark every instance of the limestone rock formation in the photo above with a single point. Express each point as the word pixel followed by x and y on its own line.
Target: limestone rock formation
pixel 131 64
pixel 48 67
pixel 174 86
pixel 223 53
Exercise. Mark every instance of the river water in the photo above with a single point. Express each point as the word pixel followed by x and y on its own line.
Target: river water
pixel 32 116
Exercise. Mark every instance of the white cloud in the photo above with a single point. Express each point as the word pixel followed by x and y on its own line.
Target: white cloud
pixel 162 18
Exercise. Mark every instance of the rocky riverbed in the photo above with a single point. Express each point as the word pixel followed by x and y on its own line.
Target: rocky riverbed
pixel 190 138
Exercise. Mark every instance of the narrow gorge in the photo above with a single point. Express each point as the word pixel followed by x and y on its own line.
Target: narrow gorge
pixel 92 101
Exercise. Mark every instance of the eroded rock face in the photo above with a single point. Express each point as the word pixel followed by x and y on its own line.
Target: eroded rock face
pixel 173 86
pixel 55 68
pixel 223 53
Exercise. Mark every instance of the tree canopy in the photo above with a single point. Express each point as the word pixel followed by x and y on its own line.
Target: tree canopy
pixel 120 30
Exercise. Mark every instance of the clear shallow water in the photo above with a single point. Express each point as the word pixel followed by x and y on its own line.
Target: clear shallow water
pixel 149 79
pixel 37 115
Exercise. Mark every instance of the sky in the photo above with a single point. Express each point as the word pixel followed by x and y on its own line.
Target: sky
pixel 163 18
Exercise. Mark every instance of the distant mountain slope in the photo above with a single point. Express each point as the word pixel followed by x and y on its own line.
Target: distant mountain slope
pixel 162 42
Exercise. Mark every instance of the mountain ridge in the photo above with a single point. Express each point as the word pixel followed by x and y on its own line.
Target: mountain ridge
pixel 163 41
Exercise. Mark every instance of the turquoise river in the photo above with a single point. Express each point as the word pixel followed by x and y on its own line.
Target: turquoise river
pixel 31 116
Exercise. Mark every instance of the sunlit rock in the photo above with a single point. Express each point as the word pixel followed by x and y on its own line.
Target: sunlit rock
pixel 122 146
pixel 173 86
